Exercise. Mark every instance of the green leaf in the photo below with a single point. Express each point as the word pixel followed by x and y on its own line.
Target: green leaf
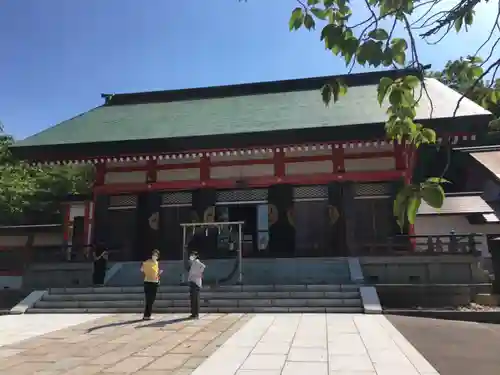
pixel 433 195
pixel 494 124
pixel 349 48
pixel 399 57
pixel 378 34
pixel 338 89
pixel 411 81
pixel 458 23
pixel 437 180
pixel 309 22
pixel 312 2
pixel 469 17
pixel 332 35
pixel 326 94
pixel 400 205
pixel 396 97
pixel 296 19
pixel 429 135
pixel 412 209
pixel 399 44
pixel 383 89
pixel 319 13
pixel 476 71
pixel 493 97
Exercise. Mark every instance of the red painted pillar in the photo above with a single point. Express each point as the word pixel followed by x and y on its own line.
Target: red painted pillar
pixel 204 170
pixel 67 223
pixel 87 228
pixel 151 172
pixel 338 160
pixel 100 174
pixel 279 164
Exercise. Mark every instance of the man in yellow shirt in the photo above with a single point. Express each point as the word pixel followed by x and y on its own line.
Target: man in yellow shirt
pixel 151 271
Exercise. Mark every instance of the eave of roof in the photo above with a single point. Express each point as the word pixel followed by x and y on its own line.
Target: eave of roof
pixel 458 204
pixel 487 158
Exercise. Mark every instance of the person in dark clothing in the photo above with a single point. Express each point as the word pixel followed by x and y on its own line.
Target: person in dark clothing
pixel 100 256
pixel 195 278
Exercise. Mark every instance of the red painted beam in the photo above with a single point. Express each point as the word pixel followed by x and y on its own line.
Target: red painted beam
pixel 277 160
pixel 63 156
pixel 264 181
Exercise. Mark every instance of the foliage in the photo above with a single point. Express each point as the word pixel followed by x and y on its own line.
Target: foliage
pixel 376 42
pixel 27 191
pixel 459 75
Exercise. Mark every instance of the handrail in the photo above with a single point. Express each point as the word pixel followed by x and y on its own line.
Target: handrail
pixel 452 243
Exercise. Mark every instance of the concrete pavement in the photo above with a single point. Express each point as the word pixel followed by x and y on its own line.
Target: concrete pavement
pixel 453 347
pixel 222 344
pixel 319 344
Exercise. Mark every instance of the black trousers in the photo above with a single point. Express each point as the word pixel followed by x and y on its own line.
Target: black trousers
pixel 150 290
pixel 99 273
pixel 194 294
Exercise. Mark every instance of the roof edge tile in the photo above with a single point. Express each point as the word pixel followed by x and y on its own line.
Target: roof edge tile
pixel 257 88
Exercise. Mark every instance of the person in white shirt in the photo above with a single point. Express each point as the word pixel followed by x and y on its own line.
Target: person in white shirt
pixel 195 278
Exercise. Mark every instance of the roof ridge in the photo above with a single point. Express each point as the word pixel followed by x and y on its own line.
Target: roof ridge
pixel 255 88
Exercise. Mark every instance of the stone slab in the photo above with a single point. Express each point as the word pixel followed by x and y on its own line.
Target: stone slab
pixel 370 300
pixel 329 344
pixel 28 302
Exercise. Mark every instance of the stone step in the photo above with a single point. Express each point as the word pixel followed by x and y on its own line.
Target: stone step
pixel 204 303
pixel 221 288
pixel 266 271
pixel 204 295
pixel 176 310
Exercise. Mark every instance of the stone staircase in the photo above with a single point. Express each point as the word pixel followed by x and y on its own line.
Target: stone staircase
pixel 281 271
pixel 229 298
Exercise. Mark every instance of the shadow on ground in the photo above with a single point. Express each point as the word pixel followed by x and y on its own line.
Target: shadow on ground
pixel 115 324
pixel 453 347
pixel 164 323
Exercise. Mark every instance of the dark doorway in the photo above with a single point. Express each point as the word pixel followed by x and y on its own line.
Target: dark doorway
pixel 247 214
pixel 78 238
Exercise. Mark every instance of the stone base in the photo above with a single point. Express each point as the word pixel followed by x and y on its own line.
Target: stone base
pixel 487 299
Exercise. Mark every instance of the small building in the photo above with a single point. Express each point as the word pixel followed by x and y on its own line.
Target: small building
pixel 307 180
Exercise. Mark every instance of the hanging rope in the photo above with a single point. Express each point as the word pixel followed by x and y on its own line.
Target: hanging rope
pixel 203 228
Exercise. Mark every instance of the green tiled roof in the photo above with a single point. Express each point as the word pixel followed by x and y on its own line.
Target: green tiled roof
pixel 237 114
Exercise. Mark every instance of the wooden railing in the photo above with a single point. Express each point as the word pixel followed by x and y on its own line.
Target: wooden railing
pixel 451 244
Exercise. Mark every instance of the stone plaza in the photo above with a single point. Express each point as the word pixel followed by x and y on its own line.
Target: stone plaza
pixel 222 344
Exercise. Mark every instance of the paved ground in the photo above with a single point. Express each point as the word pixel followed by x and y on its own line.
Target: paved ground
pixel 15 328
pixel 119 345
pixel 453 347
pixel 319 344
pixel 234 344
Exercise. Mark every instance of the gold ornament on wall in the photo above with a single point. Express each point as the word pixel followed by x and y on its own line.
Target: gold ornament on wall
pixel 272 214
pixel 154 220
pixel 209 215
pixel 333 214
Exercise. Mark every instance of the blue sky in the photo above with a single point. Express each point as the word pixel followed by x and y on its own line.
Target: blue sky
pixel 58 56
